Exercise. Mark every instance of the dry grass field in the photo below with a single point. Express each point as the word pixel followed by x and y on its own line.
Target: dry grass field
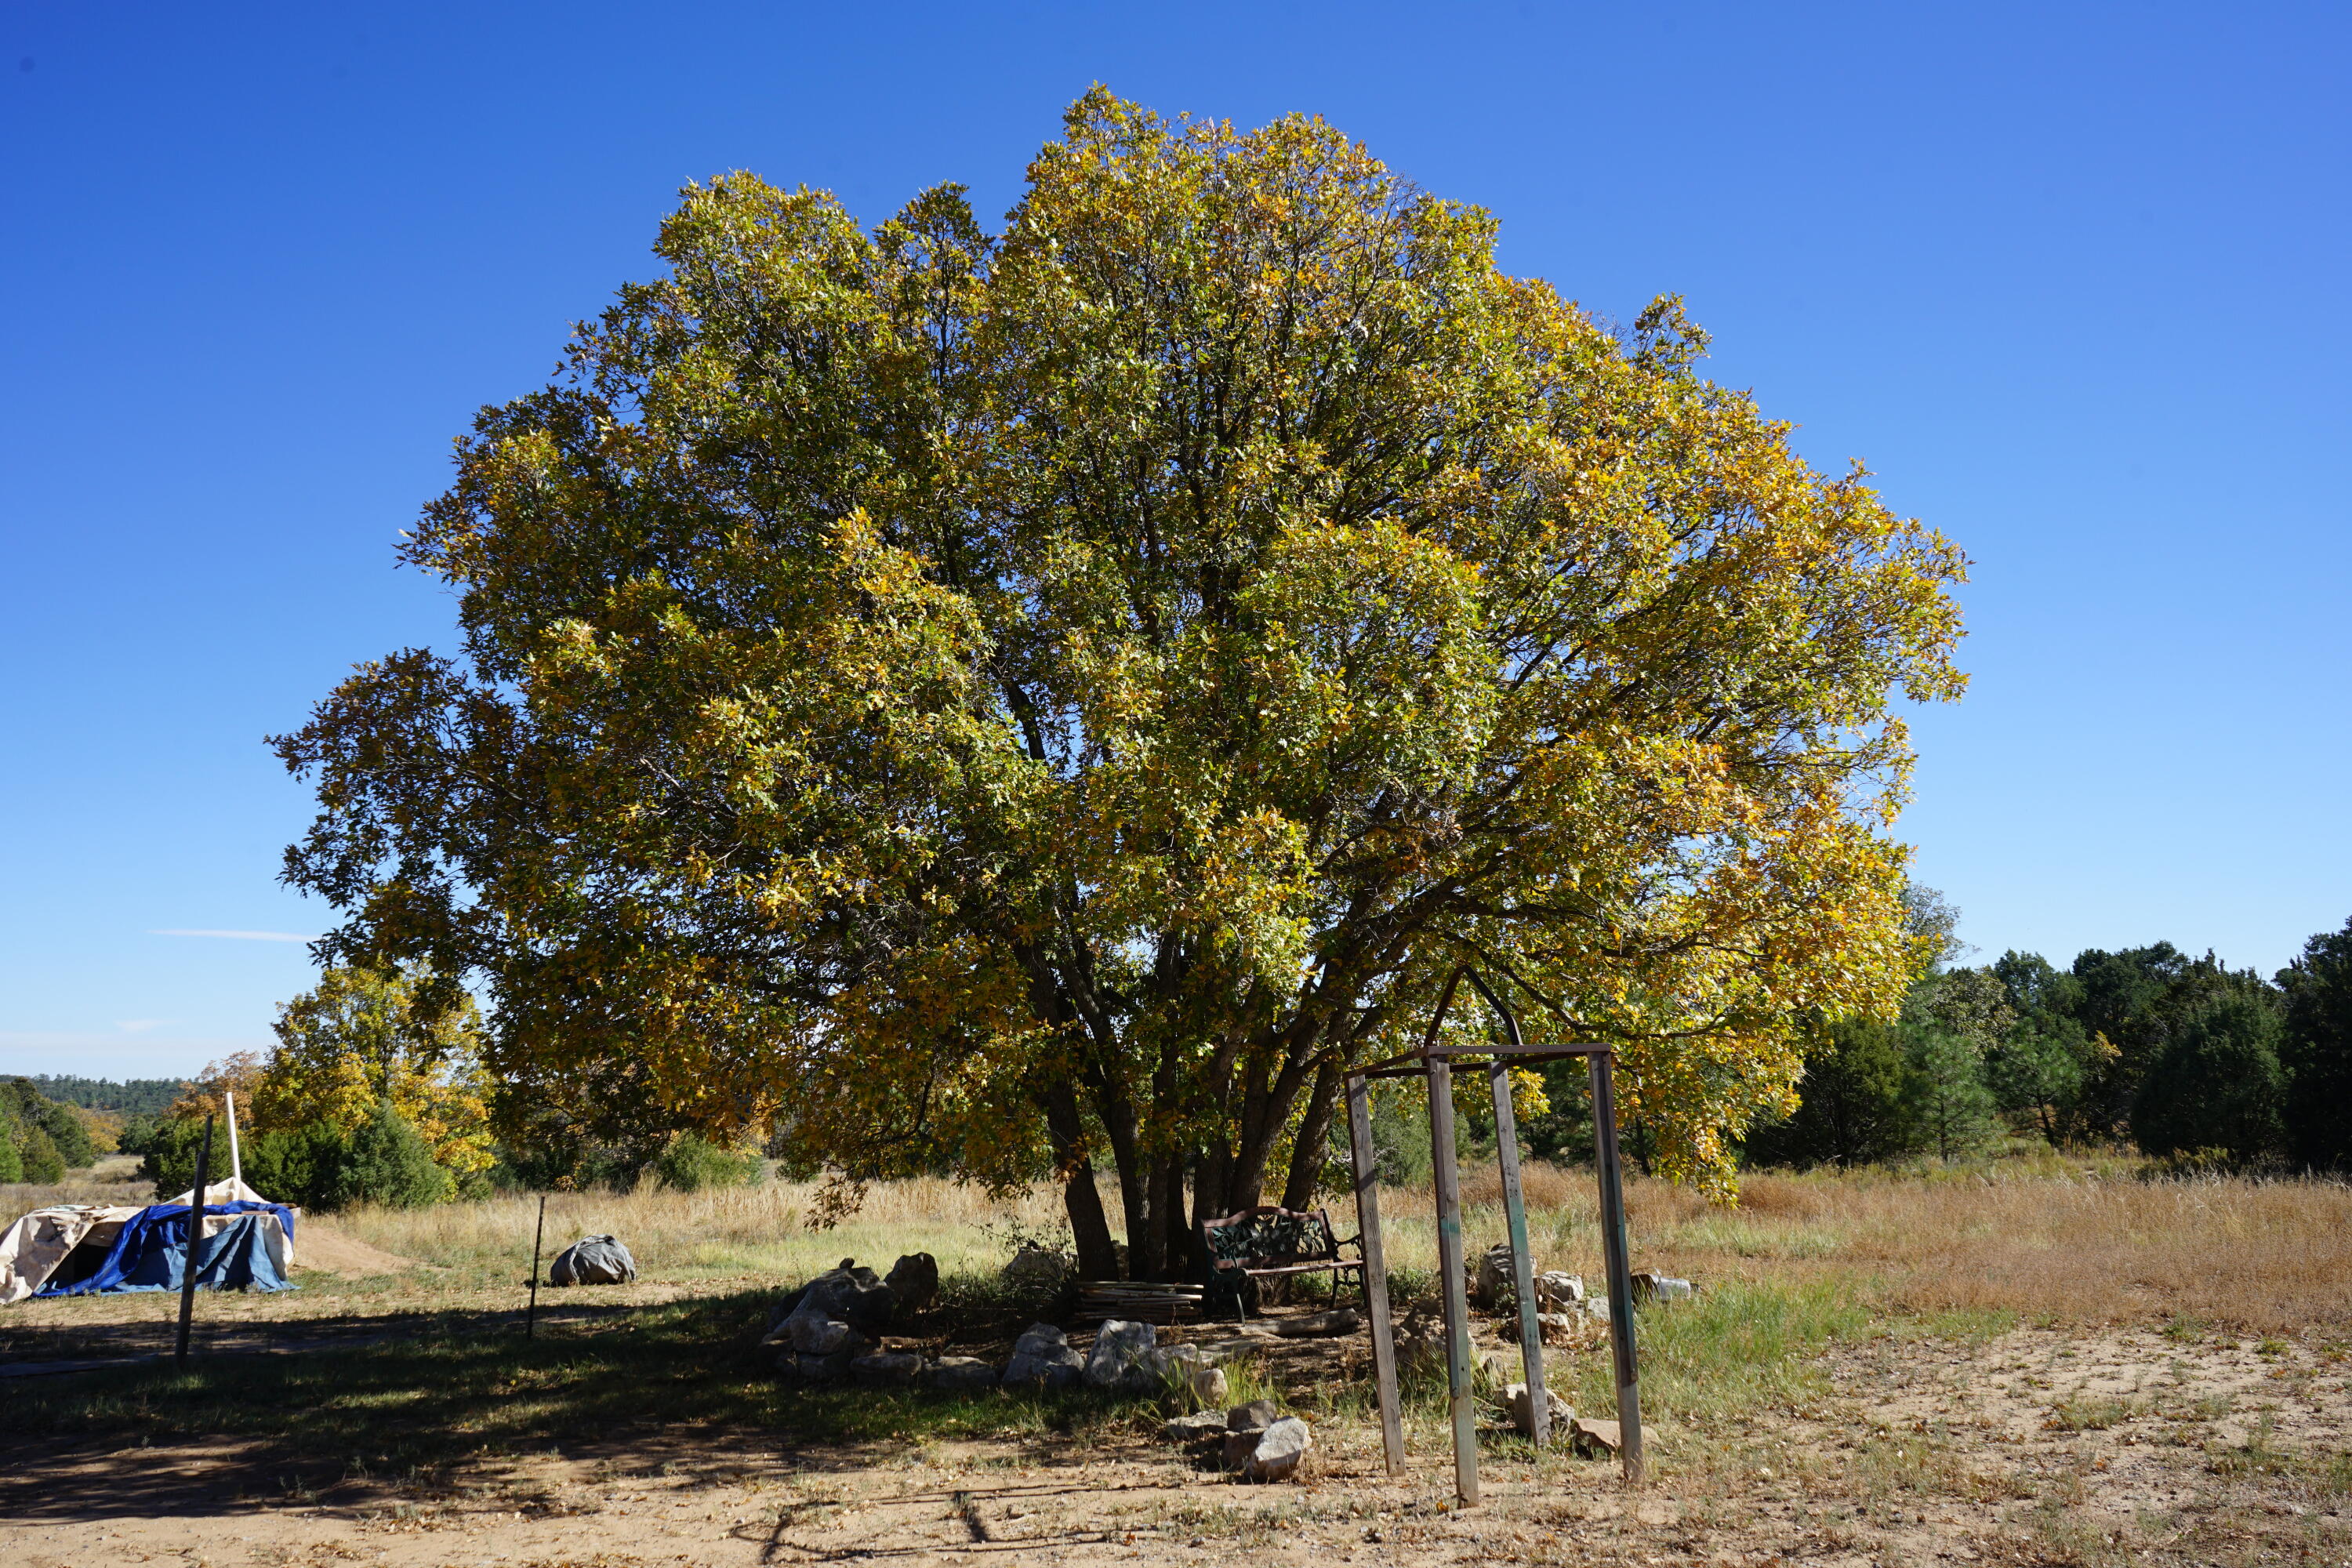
pixel 2032 1362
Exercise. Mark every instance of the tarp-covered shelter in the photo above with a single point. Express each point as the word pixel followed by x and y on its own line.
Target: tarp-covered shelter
pixel 81 1249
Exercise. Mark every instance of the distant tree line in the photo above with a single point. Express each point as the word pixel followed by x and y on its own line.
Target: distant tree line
pixel 131 1096
pixel 2196 1063
pixel 40 1139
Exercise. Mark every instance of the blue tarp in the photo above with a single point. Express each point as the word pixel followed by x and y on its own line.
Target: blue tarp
pixel 151 1250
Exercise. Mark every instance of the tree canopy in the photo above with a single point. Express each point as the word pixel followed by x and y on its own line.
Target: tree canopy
pixel 1005 702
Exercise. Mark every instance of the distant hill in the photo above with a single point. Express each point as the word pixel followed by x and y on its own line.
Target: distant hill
pixel 131 1096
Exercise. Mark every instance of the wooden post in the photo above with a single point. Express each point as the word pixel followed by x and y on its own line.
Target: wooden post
pixel 1447 1178
pixel 1621 1271
pixel 530 1318
pixel 236 1164
pixel 1366 1163
pixel 195 1242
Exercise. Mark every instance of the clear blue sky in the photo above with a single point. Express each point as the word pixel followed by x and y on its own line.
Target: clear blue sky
pixel 2071 279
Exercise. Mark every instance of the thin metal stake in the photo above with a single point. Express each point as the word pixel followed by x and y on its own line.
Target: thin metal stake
pixel 1447 1179
pixel 1621 1271
pixel 1361 1155
pixel 530 1318
pixel 195 1240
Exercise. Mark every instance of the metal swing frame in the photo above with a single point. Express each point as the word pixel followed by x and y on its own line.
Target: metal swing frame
pixel 1435 1063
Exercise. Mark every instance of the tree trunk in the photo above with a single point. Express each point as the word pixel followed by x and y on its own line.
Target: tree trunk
pixel 1308 1154
pixel 1089 1229
pixel 1097 1253
pixel 1173 1254
pixel 1117 1113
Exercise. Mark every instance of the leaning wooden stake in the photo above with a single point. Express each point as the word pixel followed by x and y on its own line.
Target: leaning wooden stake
pixel 1366 1163
pixel 530 1318
pixel 196 1241
pixel 1447 1179
pixel 1621 1272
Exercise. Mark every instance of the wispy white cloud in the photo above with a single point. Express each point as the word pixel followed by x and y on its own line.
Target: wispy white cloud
pixel 240 935
pixel 140 1026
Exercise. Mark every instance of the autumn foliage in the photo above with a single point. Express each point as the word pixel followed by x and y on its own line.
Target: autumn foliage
pixel 1008 703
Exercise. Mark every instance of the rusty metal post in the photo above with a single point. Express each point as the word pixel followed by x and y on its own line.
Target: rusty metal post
pixel 1446 1178
pixel 1366 1166
pixel 1621 1271
pixel 538 1237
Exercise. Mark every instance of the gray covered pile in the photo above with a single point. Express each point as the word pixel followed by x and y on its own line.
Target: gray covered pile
pixel 593 1260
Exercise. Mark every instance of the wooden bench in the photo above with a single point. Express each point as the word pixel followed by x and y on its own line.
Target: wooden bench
pixel 1271 1241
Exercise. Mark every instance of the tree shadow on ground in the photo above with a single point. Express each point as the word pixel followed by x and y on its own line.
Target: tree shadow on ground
pixel 354 1407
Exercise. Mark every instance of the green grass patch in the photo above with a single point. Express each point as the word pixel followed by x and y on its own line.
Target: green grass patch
pixel 1737 1348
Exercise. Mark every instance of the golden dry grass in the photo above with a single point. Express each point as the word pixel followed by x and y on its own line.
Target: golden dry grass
pixel 2051 1241
pixel 2267 1257
pixel 759 1232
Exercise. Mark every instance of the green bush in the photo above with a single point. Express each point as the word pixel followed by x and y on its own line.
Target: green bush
pixel 48 1138
pixel 139 1130
pixel 41 1160
pixel 387 1162
pixel 1949 1108
pixel 2317 1052
pixel 692 1163
pixel 12 1162
pixel 2217 1085
pixel 170 1161
pixel 1851 1108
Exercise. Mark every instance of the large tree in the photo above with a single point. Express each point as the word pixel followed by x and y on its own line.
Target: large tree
pixel 1005 702
pixel 2317 1051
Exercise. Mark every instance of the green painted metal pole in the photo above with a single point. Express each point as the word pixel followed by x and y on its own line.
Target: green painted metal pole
pixel 1514 1212
pixel 1447 1179
pixel 1366 1164
pixel 1621 1271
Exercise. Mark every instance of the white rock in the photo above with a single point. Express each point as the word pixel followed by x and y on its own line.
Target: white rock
pixel 1038 1269
pixel 1493 1285
pixel 1194 1428
pixel 1043 1355
pixel 961 1372
pixel 814 1333
pixel 1185 1372
pixel 1557 1291
pixel 1523 1412
pixel 1123 1357
pixel 1280 1449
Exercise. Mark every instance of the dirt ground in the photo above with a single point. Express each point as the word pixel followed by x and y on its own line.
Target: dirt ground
pixel 2031 1446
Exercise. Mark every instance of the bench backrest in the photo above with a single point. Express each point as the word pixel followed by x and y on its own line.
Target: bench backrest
pixel 1269 1238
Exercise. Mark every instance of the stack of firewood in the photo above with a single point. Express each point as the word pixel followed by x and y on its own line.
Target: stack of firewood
pixel 1137 1300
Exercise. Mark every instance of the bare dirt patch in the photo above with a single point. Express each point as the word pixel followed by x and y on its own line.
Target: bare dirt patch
pixel 2029 1447
pixel 328 1251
